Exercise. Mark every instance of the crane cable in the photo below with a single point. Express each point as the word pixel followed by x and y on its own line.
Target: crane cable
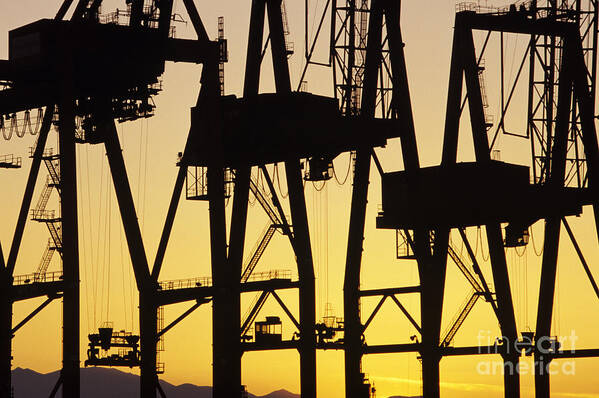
pixel 482 247
pixel 84 256
pixel 320 217
pixel 96 265
pixel 349 163
pixel 534 246
pixel 276 172
pixel 107 238
pixel 26 124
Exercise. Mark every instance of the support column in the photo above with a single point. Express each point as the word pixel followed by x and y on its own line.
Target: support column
pixel 148 326
pixel 70 243
pixel 225 355
pixel 351 287
pixel 307 297
pixel 553 224
pixel 5 334
pixel 432 265
pixel 297 202
pixel 235 264
pixel 226 370
pixel 505 306
pixel 507 319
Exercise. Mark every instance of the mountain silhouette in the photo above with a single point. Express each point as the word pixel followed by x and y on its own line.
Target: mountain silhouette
pixel 110 383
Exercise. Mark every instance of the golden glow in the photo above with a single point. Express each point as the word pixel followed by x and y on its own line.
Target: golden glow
pixel 427 31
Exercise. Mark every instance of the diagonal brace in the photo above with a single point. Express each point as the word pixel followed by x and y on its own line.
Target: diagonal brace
pixel 406 313
pixel 289 314
pixel 581 257
pixel 179 319
pixel 374 312
pixel 34 313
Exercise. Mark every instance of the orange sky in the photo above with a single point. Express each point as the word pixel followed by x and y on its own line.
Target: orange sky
pixel 150 149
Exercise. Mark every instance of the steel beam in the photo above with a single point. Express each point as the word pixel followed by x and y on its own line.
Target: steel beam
pixel 390 291
pixel 136 12
pixel 70 242
pixel 392 348
pixel 147 305
pixel 235 264
pixel 5 334
pixel 299 217
pixel 553 223
pixel 196 21
pixel 454 99
pixel 401 91
pixel 307 297
pixel 179 319
pixel 33 313
pixel 505 305
pixel 587 270
pixel 124 197
pixel 62 11
pixel 353 329
pixel 164 18
pixel 168 223
pixel 148 330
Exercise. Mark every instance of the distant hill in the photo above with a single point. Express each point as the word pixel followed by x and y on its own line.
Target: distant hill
pixel 110 383
pixel 404 396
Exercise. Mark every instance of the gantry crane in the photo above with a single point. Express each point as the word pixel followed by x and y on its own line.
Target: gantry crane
pixel 96 68
pixel 496 194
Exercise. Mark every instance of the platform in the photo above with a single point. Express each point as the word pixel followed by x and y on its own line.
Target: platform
pixel 36 285
pixel 107 59
pixel 269 128
pixel 471 194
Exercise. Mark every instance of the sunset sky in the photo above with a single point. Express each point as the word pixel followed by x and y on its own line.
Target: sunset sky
pixel 150 147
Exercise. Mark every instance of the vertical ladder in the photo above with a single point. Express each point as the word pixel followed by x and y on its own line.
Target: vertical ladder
pixel 224 56
pixel 288 43
pixel 483 93
pixel 160 343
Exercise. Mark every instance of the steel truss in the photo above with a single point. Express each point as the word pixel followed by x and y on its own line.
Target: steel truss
pixel 97 103
pixel 509 197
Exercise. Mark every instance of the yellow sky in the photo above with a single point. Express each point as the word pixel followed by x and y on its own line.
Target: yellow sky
pixel 150 149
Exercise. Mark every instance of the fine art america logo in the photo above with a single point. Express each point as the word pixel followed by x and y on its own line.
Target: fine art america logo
pixel 543 350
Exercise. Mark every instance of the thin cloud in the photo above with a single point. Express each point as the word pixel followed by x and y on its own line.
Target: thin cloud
pixel 470 387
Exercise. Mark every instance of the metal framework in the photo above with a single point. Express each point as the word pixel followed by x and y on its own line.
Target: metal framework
pixel 58 78
pixel 491 194
pixel 229 136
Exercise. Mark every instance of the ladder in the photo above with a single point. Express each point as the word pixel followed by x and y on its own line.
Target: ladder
pixel 45 262
pixel 48 217
pixel 45 195
pixel 483 93
pixel 464 269
pixel 54 170
pixel 55 232
pixel 261 196
pixel 289 47
pixel 460 317
pixel 160 342
pixel 259 249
